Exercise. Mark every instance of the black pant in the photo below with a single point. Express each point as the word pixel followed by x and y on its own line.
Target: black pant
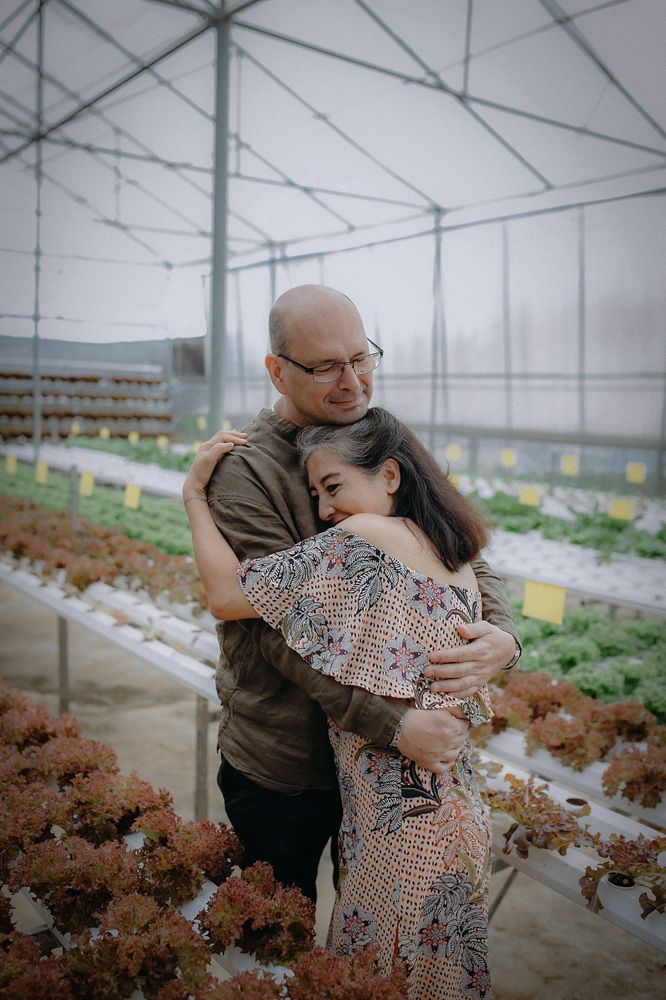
pixel 288 831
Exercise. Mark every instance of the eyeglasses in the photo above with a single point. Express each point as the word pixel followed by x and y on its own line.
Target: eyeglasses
pixel 332 371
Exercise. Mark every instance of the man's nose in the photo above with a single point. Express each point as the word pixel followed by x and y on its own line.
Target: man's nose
pixel 349 379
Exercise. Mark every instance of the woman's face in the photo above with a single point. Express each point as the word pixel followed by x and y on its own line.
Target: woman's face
pixel 342 490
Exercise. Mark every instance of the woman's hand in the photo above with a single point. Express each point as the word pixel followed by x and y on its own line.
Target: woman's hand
pixel 209 454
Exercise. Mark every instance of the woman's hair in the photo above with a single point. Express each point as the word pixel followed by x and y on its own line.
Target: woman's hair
pixel 425 494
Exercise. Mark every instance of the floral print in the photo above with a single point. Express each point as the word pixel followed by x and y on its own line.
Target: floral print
pixel 405 658
pixel 414 845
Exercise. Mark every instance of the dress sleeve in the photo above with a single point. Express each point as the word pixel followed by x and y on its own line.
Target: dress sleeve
pixel 344 607
pixel 324 596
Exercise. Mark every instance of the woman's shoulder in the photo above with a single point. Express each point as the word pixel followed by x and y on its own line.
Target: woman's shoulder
pixel 377 529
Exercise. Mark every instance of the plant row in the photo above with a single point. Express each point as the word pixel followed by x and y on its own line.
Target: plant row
pixel 609 660
pixel 578 730
pixel 146 451
pixel 540 822
pixel 66 811
pixel 162 523
pixel 593 530
pixel 84 552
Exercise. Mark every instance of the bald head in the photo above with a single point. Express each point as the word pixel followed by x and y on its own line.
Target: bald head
pixel 304 307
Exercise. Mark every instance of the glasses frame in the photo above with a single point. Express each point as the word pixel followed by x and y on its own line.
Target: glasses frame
pixel 378 352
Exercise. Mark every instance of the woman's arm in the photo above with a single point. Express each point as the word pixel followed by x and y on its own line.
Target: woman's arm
pixel 215 559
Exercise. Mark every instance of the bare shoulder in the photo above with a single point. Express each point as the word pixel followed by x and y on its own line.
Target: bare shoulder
pixel 375 528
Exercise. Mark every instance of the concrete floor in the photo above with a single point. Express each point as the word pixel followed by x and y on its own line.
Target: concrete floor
pixel 542 946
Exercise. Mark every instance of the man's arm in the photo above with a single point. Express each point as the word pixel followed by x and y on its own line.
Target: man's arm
pixel 253 529
pixel 493 643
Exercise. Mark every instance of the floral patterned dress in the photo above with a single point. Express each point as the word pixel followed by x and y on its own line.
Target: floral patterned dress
pixel 414 846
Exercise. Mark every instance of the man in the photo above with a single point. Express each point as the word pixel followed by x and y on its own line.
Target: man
pixel 277 774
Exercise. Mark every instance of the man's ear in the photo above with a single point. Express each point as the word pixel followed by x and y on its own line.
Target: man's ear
pixel 391 473
pixel 275 367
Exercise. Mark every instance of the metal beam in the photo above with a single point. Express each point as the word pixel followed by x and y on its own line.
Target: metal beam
pixel 217 332
pixel 39 106
pixel 90 103
pixel 575 34
pixel 460 97
pixel 468 40
pixel 582 322
pixel 429 84
pixel 111 40
pixel 179 5
pixel 15 13
pixel 506 325
pixel 10 46
pixel 457 227
pixel 324 118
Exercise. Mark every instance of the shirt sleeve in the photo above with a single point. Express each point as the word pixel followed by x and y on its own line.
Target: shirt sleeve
pixel 253 526
pixel 494 599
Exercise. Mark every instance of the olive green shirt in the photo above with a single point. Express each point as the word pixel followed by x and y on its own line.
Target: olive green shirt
pixel 274 706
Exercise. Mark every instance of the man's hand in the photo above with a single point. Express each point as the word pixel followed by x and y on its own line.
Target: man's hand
pixel 433 739
pixel 462 670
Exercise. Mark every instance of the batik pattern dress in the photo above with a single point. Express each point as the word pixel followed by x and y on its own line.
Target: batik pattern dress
pixel 414 846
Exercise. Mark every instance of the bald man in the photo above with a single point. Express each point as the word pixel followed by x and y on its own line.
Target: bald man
pixel 277 774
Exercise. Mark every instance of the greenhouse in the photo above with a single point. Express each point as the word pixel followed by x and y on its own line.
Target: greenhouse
pixel 415 250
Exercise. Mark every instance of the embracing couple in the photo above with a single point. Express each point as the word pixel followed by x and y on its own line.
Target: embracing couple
pixel 358 629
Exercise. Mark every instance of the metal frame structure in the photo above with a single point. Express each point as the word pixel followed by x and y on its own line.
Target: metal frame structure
pixel 29 130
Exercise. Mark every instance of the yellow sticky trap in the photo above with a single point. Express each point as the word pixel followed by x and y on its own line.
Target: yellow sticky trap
pixel 195 446
pixel 86 484
pixel 453 452
pixel 454 479
pixel 569 465
pixel 508 458
pixel 621 510
pixel 635 472
pixel 162 441
pixel 104 433
pixel 133 437
pixel 10 465
pixel 75 428
pixel 132 496
pixel 202 423
pixel 544 601
pixel 529 496
pixel 41 473
pixel 226 425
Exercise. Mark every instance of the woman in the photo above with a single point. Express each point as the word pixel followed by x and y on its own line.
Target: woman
pixel 364 602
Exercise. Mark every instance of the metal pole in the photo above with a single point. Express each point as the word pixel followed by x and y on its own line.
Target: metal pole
pixel 63 666
pixel 201 775
pixel 437 345
pixel 506 326
pixel 73 493
pixel 272 273
pixel 36 379
pixel 582 306
pixel 218 282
